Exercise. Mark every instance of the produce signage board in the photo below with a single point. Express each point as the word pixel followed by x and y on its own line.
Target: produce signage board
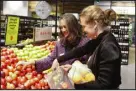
pixel 42 33
pixel 12 30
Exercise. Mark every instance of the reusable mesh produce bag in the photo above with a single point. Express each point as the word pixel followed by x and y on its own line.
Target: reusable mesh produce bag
pixel 58 79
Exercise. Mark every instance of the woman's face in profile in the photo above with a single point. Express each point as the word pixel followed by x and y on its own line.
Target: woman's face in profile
pixel 89 28
pixel 63 27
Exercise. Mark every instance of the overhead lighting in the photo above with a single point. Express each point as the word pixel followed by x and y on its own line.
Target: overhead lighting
pixel 14 5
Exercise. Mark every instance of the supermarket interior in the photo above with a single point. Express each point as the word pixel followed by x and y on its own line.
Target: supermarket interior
pixel 29 31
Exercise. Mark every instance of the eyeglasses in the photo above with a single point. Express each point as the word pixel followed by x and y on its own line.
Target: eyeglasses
pixel 61 27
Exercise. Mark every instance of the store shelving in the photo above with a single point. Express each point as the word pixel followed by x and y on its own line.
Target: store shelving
pixel 120 30
pixel 26 26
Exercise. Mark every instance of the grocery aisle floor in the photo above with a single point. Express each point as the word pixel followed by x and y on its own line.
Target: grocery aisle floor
pixel 128 71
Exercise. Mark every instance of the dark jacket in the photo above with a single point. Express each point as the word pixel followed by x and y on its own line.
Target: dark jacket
pixel 105 61
pixel 60 49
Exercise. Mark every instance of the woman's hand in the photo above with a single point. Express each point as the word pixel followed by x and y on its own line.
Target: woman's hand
pixel 55 64
pixel 66 67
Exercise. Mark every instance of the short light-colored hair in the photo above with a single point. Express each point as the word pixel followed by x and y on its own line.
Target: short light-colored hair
pixel 94 12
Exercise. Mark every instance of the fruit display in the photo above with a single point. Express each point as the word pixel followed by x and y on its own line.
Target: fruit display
pixel 33 53
pixel 18 77
pixel 27 41
pixel 79 73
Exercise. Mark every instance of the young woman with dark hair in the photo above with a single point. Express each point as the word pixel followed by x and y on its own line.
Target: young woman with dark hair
pixel 70 37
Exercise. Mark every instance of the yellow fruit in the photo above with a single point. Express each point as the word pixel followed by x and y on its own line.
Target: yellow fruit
pixel 89 77
pixel 83 72
pixel 77 78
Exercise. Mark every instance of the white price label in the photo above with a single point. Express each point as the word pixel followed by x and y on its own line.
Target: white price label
pixel 43 33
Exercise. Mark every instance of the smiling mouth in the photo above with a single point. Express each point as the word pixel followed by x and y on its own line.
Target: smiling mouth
pixel 65 33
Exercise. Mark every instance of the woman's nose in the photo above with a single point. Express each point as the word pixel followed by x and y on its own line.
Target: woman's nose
pixel 63 29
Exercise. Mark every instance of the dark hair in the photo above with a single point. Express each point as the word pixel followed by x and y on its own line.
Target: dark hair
pixel 74 29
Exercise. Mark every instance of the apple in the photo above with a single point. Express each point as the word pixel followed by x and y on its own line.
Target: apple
pixel 29 66
pixel 10 68
pixel 10 86
pixel 36 79
pixel 46 87
pixel 3 81
pixel 15 60
pixel 12 60
pixel 22 73
pixel 14 66
pixel 23 79
pixel 34 73
pixel 17 72
pixel 4 49
pixel 27 84
pixel 6 72
pixel 8 61
pixel 64 85
pixel 21 86
pixel 8 79
pixel 38 86
pixel 3 59
pixel 32 81
pixel 15 83
pixel 42 83
pixel 2 74
pixel 19 58
pixel 29 76
pixel 43 87
pixel 14 76
pixel 3 53
pixel 3 65
pixel 33 67
pixel 18 79
pixel 11 51
pixel 45 82
pixel 3 86
pixel 39 76
pixel 19 67
pixel 8 53
pixel 28 70
pixel 10 73
pixel 7 57
pixel 33 87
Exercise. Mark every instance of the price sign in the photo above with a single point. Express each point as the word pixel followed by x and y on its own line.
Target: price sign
pixel 42 33
pixel 12 30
